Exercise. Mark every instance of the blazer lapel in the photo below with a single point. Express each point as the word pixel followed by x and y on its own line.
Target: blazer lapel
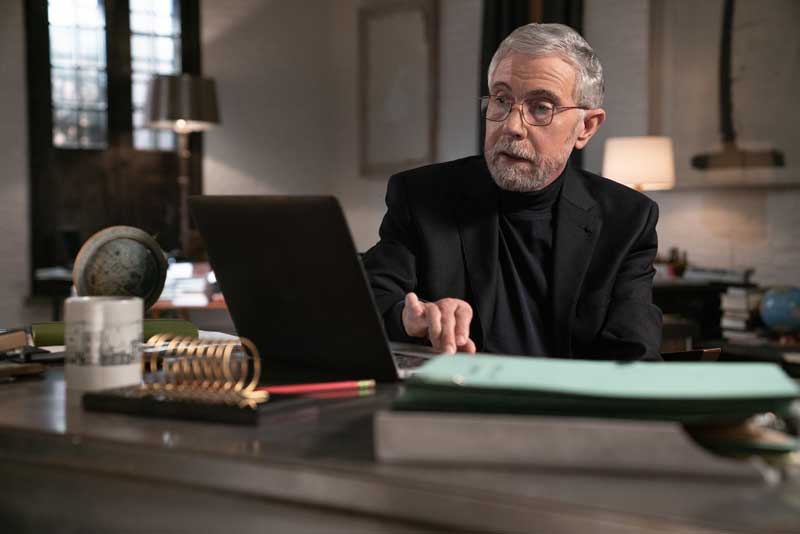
pixel 478 227
pixel 576 232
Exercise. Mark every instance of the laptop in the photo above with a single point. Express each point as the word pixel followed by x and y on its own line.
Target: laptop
pixel 295 287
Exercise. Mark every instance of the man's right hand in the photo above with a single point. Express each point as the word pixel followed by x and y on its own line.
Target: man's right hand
pixel 444 322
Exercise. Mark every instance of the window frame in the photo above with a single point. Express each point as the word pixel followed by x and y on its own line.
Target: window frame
pixel 47 162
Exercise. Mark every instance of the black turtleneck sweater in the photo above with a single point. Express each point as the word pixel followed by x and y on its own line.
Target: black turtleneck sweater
pixel 522 321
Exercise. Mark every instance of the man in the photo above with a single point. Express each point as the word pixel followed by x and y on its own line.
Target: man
pixel 517 252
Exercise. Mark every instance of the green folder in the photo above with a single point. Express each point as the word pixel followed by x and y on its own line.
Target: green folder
pixel 49 334
pixel 688 392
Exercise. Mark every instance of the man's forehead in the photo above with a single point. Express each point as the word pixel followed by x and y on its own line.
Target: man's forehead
pixel 551 72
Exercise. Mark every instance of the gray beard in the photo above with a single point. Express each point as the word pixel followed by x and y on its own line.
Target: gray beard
pixel 522 178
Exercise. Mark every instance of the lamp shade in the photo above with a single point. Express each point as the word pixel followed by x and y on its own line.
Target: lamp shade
pixel 184 103
pixel 643 163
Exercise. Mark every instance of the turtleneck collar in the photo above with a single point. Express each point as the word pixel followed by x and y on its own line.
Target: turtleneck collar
pixel 538 201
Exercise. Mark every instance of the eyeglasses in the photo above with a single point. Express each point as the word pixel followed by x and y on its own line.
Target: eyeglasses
pixel 535 112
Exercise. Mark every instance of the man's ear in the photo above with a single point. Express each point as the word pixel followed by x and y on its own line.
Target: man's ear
pixel 592 119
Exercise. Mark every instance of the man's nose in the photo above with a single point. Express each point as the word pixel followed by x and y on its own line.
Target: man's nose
pixel 514 125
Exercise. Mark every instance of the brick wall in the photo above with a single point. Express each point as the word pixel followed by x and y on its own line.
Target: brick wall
pixel 745 227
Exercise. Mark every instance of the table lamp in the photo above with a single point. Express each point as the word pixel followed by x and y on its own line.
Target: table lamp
pixel 644 163
pixel 184 103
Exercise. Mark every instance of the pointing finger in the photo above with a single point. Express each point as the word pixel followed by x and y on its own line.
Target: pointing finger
pixel 448 336
pixel 433 317
pixel 413 304
pixel 463 316
pixel 469 347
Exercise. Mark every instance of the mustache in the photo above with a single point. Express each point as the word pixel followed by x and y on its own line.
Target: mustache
pixel 507 146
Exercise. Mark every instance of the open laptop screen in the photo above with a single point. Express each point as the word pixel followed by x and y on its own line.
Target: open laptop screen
pixel 294 285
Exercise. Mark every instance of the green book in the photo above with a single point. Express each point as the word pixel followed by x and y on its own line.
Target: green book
pixel 49 334
pixel 688 392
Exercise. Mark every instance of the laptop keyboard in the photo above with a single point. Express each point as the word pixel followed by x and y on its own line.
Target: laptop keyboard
pixel 407 361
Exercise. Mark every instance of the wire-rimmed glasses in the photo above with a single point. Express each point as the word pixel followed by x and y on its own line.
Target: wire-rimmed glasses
pixel 535 111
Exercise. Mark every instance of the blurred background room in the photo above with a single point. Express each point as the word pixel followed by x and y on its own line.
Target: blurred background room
pixel 330 97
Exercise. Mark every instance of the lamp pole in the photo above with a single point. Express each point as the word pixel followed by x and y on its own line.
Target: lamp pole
pixel 183 103
pixel 184 154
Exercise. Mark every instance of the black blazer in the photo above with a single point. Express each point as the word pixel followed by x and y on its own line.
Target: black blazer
pixel 439 238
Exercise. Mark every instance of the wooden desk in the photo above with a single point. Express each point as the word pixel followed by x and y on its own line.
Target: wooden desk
pixel 698 302
pixel 310 467
pixel 787 356
pixel 164 306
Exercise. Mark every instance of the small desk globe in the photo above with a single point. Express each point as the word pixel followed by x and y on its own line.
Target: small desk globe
pixel 120 261
pixel 780 309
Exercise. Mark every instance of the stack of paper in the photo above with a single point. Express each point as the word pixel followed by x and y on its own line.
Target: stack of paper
pixel 646 417
pixel 686 392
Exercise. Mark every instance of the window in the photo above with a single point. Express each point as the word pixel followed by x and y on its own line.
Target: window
pixel 155 49
pixel 78 73
pixel 78 68
pixel 92 162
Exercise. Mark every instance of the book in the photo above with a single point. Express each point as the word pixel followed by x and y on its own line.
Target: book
pixel 653 447
pixel 14 369
pixel 738 314
pixel 190 378
pixel 743 336
pixel 688 392
pixel 50 334
pixel 185 289
pixel 736 322
pixel 18 355
pixel 714 275
pixel 744 300
pixel 13 339
pixel 641 416
pixel 744 291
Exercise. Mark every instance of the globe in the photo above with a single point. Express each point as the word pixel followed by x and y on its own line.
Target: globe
pixel 120 261
pixel 780 309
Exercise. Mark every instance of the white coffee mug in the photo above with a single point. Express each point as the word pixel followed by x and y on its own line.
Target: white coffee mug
pixel 102 338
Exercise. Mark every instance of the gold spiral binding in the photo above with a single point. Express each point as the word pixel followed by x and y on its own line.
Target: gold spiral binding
pixel 207 370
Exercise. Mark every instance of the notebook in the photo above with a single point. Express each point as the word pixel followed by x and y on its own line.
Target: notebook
pixel 632 416
pixel 295 286
pixel 685 392
pixel 190 378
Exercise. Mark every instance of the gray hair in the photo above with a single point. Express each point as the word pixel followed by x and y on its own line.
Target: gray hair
pixel 557 39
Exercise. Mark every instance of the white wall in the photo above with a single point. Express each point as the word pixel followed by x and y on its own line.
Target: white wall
pixel 459 68
pixel 363 198
pixel 271 61
pixel 623 51
pixel 263 54
pixel 739 228
pixel 14 190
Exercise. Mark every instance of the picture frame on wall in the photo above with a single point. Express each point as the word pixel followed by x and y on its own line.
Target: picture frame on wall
pixel 398 85
pixel 722 81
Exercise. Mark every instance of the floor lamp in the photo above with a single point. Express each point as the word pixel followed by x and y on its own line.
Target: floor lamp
pixel 182 103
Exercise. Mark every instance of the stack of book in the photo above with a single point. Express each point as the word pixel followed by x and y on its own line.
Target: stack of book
pixel 14 358
pixel 740 318
pixel 184 288
pixel 642 416
pixel 695 273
